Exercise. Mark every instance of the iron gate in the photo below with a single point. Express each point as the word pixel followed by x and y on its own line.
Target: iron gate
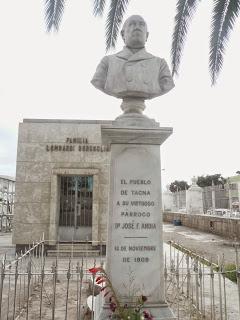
pixel 75 218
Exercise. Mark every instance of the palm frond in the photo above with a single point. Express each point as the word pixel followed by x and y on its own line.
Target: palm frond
pixel 224 16
pixel 53 13
pixel 185 11
pixel 114 19
pixel 98 7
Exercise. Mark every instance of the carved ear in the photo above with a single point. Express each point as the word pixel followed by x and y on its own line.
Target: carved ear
pixel 122 34
pixel 147 36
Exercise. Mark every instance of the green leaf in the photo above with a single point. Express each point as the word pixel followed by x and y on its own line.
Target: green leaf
pixel 178 185
pixel 98 7
pixel 224 16
pixel 185 11
pixel 114 19
pixel 53 13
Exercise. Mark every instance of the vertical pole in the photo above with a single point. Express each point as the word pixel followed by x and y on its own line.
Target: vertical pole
pixel 196 283
pixel 2 265
pixel 93 290
pixel 101 250
pixel 15 289
pixel 192 290
pixel 177 278
pixel 68 279
pixel 29 273
pixel 174 256
pixel 224 288
pixel 80 291
pixel 30 260
pixel 178 197
pixel 213 198
pixel 58 253
pixel 78 275
pixel 220 287
pixel 54 270
pixel 165 274
pixel 212 292
pixel 229 194
pixel 41 288
pixel 20 286
pixel 203 286
pixel 188 276
pixel 43 249
pixel 170 251
pixel 86 251
pixel 183 255
pixel 9 293
pixel 34 264
pixel 72 249
pixel 200 275
pixel 24 276
pixel 238 275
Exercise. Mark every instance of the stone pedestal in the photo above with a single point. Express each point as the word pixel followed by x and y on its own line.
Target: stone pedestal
pixel 168 204
pixel 135 259
pixel 194 198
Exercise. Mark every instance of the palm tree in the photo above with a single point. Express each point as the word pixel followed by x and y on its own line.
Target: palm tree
pixel 224 15
pixel 53 13
pixel 223 18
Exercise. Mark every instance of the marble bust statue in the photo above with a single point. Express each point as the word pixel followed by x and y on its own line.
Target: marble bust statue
pixel 133 73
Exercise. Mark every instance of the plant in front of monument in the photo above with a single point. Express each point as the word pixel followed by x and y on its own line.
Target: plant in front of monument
pixel 127 311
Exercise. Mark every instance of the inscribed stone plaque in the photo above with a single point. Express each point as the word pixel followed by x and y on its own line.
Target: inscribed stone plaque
pixel 135 227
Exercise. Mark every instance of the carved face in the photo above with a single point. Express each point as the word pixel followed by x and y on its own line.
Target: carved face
pixel 134 32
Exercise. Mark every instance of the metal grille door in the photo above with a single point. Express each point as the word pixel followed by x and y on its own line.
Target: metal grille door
pixel 75 219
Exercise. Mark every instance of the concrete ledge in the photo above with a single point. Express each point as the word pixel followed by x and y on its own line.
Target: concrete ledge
pixel 225 227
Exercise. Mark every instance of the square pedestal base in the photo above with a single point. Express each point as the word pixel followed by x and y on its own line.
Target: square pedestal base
pixel 159 312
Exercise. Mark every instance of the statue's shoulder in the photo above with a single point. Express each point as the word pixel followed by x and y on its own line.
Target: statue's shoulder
pixel 115 55
pixel 106 59
pixel 147 55
pixel 162 60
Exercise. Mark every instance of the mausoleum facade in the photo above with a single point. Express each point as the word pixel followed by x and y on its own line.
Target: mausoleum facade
pixel 62 182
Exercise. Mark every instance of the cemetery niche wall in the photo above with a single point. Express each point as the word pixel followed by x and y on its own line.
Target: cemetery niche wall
pixel 62 182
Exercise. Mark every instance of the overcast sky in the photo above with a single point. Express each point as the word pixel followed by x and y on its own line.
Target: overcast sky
pixel 48 76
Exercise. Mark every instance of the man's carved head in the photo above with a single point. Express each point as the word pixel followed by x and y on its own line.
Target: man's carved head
pixel 134 32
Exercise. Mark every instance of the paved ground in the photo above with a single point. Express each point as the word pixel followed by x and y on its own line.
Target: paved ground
pixel 206 244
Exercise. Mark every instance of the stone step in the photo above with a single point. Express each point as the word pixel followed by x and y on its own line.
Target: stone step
pixel 75 246
pixel 75 253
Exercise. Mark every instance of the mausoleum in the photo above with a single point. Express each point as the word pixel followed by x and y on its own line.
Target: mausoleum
pixel 62 182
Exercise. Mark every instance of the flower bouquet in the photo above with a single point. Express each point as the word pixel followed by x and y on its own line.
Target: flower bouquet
pixel 128 311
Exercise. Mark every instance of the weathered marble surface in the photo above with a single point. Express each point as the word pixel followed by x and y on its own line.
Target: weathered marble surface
pixel 141 165
pixel 194 198
pixel 135 245
pixel 133 72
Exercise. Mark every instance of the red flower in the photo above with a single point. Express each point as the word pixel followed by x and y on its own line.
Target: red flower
pixel 100 281
pixel 113 306
pixel 95 270
pixel 98 278
pixel 103 288
pixel 147 315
